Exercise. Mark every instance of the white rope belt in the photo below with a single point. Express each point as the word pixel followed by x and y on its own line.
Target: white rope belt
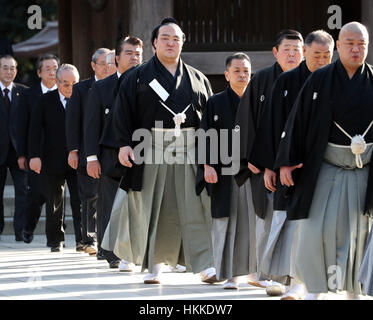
pixel 178 118
pixel 358 144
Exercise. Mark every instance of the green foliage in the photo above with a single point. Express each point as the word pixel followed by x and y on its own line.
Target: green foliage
pixel 13 25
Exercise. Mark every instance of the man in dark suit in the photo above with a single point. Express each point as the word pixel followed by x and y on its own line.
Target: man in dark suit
pixel 10 95
pixel 46 67
pixel 88 186
pixel 48 118
pixel 100 103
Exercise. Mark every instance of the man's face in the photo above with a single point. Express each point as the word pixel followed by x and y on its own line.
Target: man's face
pixel 238 73
pixel 129 57
pixel 289 54
pixel 8 71
pixel 66 81
pixel 169 42
pixel 99 67
pixel 318 55
pixel 352 49
pixel 111 68
pixel 48 72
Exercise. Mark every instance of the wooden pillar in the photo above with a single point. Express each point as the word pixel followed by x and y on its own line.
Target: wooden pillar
pixel 65 47
pixel 367 19
pixel 145 15
pixel 81 37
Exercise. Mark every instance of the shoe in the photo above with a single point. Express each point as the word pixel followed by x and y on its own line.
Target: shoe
pixel 209 276
pixel 100 255
pixel 19 236
pixel 260 284
pixel 125 266
pixel 27 236
pixel 230 285
pixel 178 268
pixel 58 248
pixel 151 279
pixel 114 264
pixel 295 292
pixel 275 290
pixel 80 247
pixel 90 250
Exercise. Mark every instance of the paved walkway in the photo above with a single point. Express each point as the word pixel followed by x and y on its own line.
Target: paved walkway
pixel 31 271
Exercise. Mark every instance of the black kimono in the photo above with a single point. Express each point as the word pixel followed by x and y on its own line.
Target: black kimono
pixel 138 106
pixel 283 95
pixel 220 114
pixel 328 95
pixel 248 118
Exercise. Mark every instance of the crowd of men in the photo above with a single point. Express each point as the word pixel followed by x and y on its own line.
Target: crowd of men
pixel 294 219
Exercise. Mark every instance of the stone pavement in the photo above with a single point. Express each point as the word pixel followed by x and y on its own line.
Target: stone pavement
pixel 32 272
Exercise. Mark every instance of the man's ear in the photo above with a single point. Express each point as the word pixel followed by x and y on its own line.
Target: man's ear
pixel 274 51
pixel 338 44
pixel 226 74
pixel 93 65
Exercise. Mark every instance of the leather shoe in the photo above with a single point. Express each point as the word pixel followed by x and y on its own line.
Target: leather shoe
pixel 19 236
pixel 27 236
pixel 100 255
pixel 57 248
pixel 80 247
pixel 114 264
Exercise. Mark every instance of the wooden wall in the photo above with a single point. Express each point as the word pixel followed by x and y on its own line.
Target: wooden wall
pixel 83 29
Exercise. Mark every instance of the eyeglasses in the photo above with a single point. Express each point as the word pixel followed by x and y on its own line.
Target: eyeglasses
pixel 6 69
pixel 102 64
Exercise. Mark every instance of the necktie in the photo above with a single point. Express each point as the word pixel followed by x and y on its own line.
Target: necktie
pixel 66 101
pixel 6 99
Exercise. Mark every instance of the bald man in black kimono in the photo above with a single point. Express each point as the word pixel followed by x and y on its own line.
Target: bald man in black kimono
pixel 325 155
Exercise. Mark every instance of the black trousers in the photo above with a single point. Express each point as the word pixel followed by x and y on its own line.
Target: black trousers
pixel 107 189
pixel 55 207
pixel 20 187
pixel 35 199
pixel 88 193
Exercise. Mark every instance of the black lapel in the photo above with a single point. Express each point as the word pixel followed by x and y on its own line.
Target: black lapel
pixel 15 95
pixel 196 86
pixel 3 109
pixel 228 108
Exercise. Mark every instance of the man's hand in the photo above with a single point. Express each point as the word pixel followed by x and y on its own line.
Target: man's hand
pixel 270 180
pixel 210 174
pixel 94 169
pixel 35 165
pixel 286 174
pixel 253 169
pixel 73 159
pixel 22 163
pixel 126 153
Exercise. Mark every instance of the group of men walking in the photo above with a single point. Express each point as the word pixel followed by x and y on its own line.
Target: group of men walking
pixel 295 216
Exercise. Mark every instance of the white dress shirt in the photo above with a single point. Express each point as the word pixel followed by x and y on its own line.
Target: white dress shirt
pixel 10 87
pixel 45 89
pixel 63 99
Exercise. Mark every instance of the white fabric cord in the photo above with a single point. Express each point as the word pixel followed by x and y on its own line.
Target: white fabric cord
pixel 178 118
pixel 358 144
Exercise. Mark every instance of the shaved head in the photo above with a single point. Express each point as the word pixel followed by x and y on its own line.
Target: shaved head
pixel 352 46
pixel 354 28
